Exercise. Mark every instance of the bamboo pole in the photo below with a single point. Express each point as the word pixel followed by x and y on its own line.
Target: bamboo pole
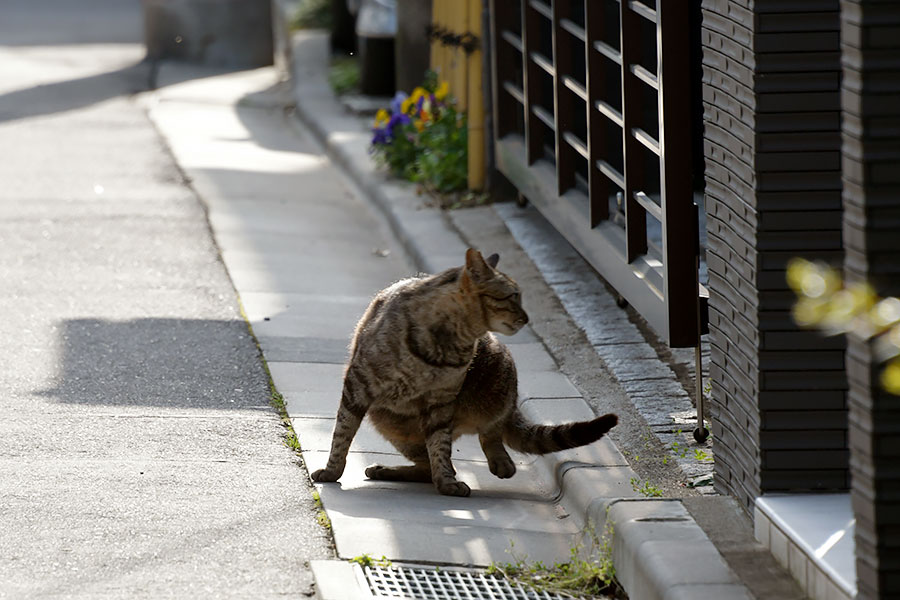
pixel 463 74
pixel 475 102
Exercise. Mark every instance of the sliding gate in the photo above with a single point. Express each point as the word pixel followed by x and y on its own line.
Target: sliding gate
pixel 593 125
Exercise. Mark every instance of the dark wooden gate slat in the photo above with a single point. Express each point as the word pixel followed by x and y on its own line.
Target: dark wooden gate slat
pixel 597 120
pixel 562 99
pixel 605 49
pixel 679 216
pixel 622 152
pixel 531 84
pixel 609 112
pixel 635 216
pixel 505 121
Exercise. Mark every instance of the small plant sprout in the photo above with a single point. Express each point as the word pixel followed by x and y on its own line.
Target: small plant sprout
pixel 645 488
pixel 322 519
pixel 702 456
pixel 365 560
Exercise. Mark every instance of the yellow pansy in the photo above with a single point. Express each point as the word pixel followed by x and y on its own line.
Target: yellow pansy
pixel 382 117
pixel 442 91
pixel 890 378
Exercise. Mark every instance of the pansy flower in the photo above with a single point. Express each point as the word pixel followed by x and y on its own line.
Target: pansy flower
pixel 397 102
pixel 442 91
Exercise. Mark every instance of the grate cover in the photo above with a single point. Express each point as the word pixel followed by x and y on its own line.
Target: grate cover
pixel 435 584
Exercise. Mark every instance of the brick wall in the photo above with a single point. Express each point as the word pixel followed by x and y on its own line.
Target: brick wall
pixel 871 158
pixel 771 94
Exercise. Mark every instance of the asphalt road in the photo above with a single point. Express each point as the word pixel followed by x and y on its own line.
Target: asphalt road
pixel 139 455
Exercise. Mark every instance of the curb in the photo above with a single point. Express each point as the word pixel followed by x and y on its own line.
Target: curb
pixel 659 551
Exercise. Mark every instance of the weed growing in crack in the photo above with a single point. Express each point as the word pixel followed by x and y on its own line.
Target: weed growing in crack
pixel 702 456
pixel 364 560
pixel 590 572
pixel 646 488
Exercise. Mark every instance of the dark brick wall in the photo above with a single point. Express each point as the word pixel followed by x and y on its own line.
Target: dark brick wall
pixel 771 93
pixel 871 158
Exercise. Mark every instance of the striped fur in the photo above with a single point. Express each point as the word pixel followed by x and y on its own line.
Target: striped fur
pixel 425 369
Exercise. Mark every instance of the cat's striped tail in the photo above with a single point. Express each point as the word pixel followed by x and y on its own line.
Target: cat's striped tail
pixel 529 438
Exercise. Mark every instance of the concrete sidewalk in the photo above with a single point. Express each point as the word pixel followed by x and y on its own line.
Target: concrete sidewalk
pixel 306 251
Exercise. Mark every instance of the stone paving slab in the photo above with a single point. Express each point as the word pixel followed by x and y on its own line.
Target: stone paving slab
pixel 328 274
pixel 532 357
pixel 413 522
pixel 299 315
pixel 309 389
pixel 303 349
pixel 548 384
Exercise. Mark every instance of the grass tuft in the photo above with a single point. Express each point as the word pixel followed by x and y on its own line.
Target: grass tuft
pixel 590 572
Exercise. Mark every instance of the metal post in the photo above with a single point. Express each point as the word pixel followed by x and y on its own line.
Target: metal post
pixel 701 433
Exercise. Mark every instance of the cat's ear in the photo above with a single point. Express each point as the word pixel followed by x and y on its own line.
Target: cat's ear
pixel 476 267
pixel 493 259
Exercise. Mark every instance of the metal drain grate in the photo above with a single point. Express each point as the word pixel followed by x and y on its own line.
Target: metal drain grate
pixel 434 584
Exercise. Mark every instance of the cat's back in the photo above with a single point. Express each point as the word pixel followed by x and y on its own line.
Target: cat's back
pixel 399 306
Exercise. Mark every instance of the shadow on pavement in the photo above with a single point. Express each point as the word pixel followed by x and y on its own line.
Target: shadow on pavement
pixel 74 93
pixel 165 363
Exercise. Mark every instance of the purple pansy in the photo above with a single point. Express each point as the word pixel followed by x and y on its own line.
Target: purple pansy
pixel 397 102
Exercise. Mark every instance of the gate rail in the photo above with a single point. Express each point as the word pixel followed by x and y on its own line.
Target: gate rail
pixel 593 125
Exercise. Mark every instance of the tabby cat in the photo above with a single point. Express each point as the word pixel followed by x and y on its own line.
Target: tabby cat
pixel 425 369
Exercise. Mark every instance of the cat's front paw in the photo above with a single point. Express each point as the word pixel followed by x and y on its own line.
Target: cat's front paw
pixel 504 468
pixel 324 475
pixel 453 488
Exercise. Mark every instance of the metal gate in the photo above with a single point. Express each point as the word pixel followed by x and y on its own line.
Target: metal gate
pixel 593 125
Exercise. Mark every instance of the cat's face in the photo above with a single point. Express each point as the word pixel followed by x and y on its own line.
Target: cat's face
pixel 502 302
pixel 498 293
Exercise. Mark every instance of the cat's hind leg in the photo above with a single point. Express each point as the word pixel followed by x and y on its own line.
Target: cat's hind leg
pixel 420 471
pixel 498 458
pixel 438 427
pixel 417 473
pixel 349 416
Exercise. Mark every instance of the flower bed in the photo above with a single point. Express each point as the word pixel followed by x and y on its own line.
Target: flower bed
pixel 424 138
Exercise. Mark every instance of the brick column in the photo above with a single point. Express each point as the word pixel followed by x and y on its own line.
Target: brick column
pixel 771 93
pixel 871 157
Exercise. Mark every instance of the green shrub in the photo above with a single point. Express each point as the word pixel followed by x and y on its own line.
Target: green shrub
pixel 312 14
pixel 344 75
